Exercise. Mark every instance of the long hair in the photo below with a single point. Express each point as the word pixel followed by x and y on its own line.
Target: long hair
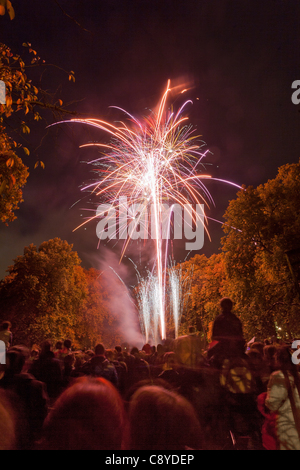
pixel 161 419
pixel 89 415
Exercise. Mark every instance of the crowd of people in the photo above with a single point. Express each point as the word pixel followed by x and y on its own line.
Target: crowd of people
pixel 175 396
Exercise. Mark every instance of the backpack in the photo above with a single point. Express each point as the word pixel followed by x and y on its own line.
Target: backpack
pixel 236 376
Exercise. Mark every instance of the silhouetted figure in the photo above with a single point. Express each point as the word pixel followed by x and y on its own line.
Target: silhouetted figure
pixel 227 333
pixel 28 397
pixel 100 366
pixel 138 368
pixel 161 419
pixel 48 369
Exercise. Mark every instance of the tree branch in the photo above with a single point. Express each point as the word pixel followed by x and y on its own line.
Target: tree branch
pixel 71 18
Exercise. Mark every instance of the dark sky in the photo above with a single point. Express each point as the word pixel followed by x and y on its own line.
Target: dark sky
pixel 241 56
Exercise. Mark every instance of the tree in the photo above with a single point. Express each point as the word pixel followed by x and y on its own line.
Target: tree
pixel 262 224
pixel 48 295
pixel 13 176
pixel 24 102
pixel 44 293
pixel 96 322
pixel 207 288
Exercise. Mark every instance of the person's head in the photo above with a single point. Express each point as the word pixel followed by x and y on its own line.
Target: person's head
pixel 257 345
pixel 147 348
pixel 100 350
pixel 67 343
pixel 226 305
pixel 46 347
pixel 109 353
pixel 270 353
pixel 160 419
pixel 135 352
pixel 284 358
pixel 255 358
pixel 5 326
pixel 87 416
pixel 59 345
pixel 15 361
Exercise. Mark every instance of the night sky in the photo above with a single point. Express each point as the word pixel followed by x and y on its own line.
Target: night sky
pixel 239 59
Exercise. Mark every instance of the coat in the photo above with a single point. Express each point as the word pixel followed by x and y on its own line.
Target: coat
pixel 278 401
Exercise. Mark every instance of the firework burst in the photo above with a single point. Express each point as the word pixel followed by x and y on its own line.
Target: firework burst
pixel 152 162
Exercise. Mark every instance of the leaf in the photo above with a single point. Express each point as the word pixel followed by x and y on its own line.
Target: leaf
pixel 26 150
pixel 9 101
pixel 2 187
pixel 6 4
pixel 10 10
pixel 10 162
pixel 25 129
pixel 39 162
pixel 13 180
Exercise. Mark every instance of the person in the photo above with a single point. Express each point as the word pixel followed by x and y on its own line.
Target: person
pixel 6 334
pixel 160 419
pixel 120 366
pixel 66 349
pixel 100 366
pixel 138 368
pixel 89 415
pixel 28 396
pixel 48 369
pixel 283 397
pixel 269 362
pixel 58 349
pixel 258 370
pixel 227 334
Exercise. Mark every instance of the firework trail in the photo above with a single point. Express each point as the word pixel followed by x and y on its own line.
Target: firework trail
pixel 179 292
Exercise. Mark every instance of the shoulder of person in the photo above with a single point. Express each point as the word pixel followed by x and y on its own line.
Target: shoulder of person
pixel 277 379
